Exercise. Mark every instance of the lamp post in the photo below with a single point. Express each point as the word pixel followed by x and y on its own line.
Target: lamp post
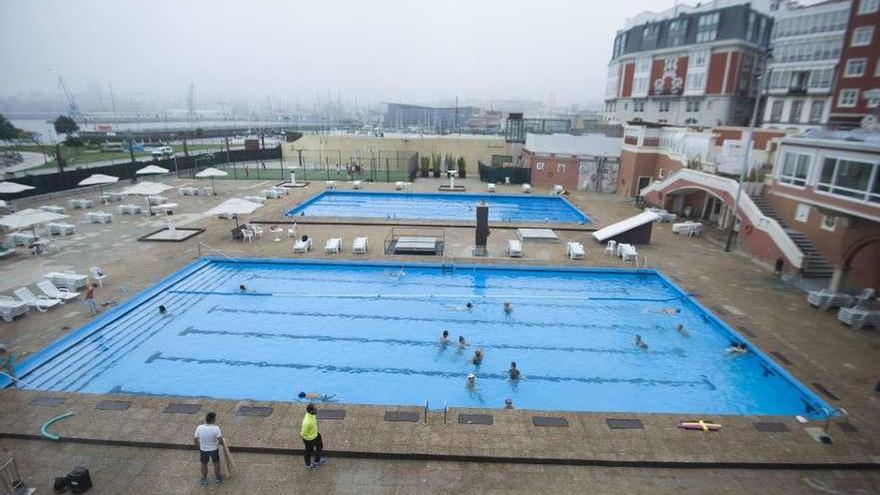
pixel 747 146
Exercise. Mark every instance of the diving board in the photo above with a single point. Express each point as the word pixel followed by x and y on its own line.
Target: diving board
pixel 537 234
pixel 633 230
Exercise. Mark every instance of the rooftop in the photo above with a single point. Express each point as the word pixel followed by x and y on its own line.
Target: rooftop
pixel 567 144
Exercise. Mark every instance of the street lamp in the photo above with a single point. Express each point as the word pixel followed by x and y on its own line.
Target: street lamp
pixel 765 55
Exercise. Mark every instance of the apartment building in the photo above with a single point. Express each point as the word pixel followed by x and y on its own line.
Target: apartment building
pixel 857 90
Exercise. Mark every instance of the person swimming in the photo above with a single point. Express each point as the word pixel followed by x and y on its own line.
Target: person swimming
pixel 508 403
pixel 314 396
pixel 641 344
pixel 514 372
pixel 461 342
pixel 737 348
pixel 508 308
pixel 471 382
pixel 681 330
pixel 163 310
pixel 477 359
pixel 444 339
pixel 242 288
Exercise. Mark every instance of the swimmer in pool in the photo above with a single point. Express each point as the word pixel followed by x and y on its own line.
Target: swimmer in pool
pixel 737 348
pixel 682 331
pixel 669 311
pixel 508 403
pixel 641 344
pixel 477 359
pixel 242 288
pixel 514 372
pixel 471 382
pixel 163 310
pixel 314 396
pixel 508 308
pixel 398 274
pixel 461 342
pixel 444 339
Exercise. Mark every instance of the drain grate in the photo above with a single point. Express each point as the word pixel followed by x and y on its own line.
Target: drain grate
pixel 745 331
pixel 782 359
pixel 258 411
pixel 113 405
pixel 407 416
pixel 47 401
pixel 331 414
pixel 770 427
pixel 549 421
pixel 182 408
pixel 475 419
pixel 624 424
pixel 825 391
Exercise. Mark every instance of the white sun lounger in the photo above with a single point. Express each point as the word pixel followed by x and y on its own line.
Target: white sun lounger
pixel 825 299
pixel 270 193
pixel 330 184
pixel 10 308
pixel 68 280
pixel 333 245
pixel 61 228
pixel 302 246
pixel 857 318
pixel 491 187
pixel 514 248
pixel 558 189
pixel 42 303
pixel 526 188
pixel 359 246
pixel 53 209
pixel 574 250
pixel 627 252
pixel 356 184
pixel 130 209
pixel 99 217
pixel 398 185
pixel 53 292
pixel 77 203
pixel 687 228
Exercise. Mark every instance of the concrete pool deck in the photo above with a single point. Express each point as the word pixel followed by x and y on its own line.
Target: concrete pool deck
pixel 813 346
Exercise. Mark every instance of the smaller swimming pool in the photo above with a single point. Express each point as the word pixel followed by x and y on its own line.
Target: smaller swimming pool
pixel 439 206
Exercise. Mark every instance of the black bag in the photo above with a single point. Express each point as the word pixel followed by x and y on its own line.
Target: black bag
pixel 61 485
pixel 80 480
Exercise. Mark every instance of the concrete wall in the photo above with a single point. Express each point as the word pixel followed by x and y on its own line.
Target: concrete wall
pixel 551 174
pixel 471 148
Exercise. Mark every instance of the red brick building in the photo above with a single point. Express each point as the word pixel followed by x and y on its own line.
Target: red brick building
pixel 857 88
pixel 587 162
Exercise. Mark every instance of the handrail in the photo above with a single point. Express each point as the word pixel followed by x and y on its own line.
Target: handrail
pixel 747 207
pixel 221 253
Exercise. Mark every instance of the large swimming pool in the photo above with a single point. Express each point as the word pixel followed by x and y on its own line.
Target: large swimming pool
pixel 439 206
pixel 368 333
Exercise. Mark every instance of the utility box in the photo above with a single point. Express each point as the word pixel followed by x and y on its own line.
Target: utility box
pixel 482 231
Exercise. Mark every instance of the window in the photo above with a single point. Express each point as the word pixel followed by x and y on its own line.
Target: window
pixel 802 213
pixel 868 6
pixel 750 30
pixel 695 82
pixel 862 36
pixel 848 98
pixel 692 106
pixel 664 106
pixel 639 106
pixel 817 108
pixel 707 27
pixel 794 114
pixel 776 111
pixel 560 168
pixel 855 67
pixel 700 59
pixel 619 45
pixel 821 78
pixel 669 65
pixel 850 178
pixel 829 222
pixel 677 31
pixel 873 99
pixel 795 168
pixel 649 35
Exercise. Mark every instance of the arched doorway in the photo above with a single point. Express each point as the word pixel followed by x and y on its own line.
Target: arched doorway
pixel 697 202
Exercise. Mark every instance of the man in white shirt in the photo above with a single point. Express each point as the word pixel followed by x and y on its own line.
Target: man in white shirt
pixel 208 439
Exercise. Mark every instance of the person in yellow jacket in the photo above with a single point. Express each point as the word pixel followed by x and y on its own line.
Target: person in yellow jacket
pixel 311 438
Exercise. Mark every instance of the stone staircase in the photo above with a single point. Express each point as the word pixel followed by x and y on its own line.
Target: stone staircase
pixel 815 265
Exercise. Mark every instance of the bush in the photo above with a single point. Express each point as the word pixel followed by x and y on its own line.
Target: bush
pixel 73 142
pixel 461 166
pixel 425 166
pixel 435 164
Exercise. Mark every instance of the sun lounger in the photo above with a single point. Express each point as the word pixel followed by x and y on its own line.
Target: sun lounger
pixel 825 299
pixel 514 248
pixel 68 280
pixel 330 184
pixel 164 208
pixel 157 200
pixel 42 303
pixel 356 184
pixel 574 250
pixel 333 245
pixel 303 245
pixel 398 185
pixel 270 194
pixel 188 191
pixel 857 318
pixel 52 292
pixel 77 203
pixel 7 248
pixel 53 209
pixel 491 187
pixel 526 188
pixel 61 228
pixel 359 246
pixel 10 308
pixel 26 239
pixel 130 209
pixel 99 217
pixel 687 228
pixel 557 189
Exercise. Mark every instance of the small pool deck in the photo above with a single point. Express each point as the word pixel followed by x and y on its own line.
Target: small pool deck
pixel 823 354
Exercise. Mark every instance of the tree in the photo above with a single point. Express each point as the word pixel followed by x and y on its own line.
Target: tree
pixel 65 125
pixel 8 132
pixel 461 165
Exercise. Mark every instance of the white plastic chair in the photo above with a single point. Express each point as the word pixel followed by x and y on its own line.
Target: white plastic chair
pixel 359 246
pixel 611 248
pixel 258 231
pixel 98 275
pixel 248 235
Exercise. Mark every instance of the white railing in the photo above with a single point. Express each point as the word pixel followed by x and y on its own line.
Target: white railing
pixel 747 207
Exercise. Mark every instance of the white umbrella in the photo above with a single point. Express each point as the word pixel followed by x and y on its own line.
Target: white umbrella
pixel 152 170
pixel 29 217
pixel 7 187
pixel 98 180
pixel 211 172
pixel 234 207
pixel 146 188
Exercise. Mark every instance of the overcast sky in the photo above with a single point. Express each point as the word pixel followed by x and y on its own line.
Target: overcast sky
pixel 376 51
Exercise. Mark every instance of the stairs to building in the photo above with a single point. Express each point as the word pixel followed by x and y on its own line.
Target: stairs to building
pixel 815 265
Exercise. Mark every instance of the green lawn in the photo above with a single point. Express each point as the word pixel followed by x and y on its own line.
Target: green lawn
pixel 90 154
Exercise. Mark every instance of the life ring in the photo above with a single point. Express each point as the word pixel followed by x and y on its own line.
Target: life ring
pixel 747 228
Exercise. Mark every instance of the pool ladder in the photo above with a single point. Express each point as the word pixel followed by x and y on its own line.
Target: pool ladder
pixel 448 264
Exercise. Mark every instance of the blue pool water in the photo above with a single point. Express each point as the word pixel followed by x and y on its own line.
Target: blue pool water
pixel 368 333
pixel 436 206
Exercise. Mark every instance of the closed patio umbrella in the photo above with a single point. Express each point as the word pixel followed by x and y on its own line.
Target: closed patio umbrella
pixel 211 172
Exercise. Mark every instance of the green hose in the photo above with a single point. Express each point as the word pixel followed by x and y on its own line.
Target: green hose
pixel 44 430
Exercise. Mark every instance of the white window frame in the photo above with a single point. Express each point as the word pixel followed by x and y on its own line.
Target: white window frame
pixel 794 180
pixel 859 32
pixel 848 72
pixel 828 189
pixel 868 6
pixel 560 167
pixel 872 102
pixel 539 166
pixel 848 91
